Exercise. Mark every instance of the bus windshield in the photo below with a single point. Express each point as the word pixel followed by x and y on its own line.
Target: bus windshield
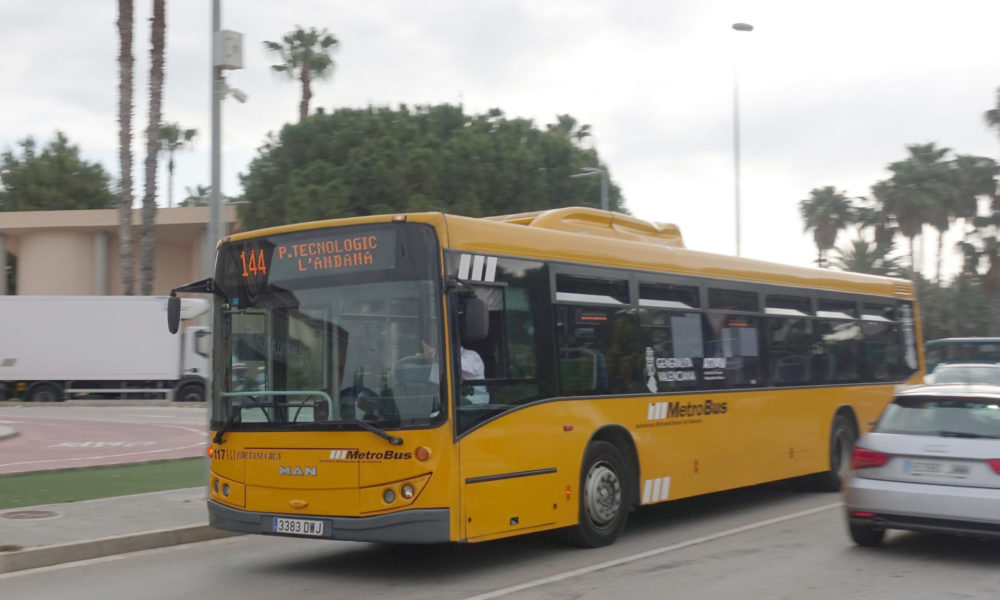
pixel 322 348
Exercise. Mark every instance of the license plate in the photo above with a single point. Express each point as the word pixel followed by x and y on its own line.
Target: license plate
pixel 297 526
pixel 936 468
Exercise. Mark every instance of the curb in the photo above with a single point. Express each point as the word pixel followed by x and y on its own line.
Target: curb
pixel 7 432
pixel 44 556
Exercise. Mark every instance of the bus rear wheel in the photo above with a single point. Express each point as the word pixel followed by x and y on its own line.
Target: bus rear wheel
pixel 603 499
pixel 842 439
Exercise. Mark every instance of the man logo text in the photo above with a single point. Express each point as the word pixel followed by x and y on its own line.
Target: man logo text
pixel 297 471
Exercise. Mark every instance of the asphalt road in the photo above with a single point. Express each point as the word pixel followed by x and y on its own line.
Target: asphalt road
pixel 65 435
pixel 763 543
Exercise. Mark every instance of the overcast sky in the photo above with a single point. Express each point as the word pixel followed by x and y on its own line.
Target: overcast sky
pixel 830 92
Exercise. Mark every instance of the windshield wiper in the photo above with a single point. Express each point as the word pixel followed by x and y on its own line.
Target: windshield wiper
pixel 235 411
pixel 395 441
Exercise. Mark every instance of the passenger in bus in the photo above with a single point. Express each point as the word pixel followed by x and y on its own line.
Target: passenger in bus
pixel 473 369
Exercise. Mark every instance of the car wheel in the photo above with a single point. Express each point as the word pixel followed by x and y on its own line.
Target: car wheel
pixel 842 439
pixel 603 497
pixel 866 535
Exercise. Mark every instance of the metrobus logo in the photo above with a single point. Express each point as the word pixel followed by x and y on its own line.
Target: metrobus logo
pixel 355 454
pixel 678 410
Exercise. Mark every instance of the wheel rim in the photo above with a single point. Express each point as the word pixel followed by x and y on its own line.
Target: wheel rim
pixel 602 494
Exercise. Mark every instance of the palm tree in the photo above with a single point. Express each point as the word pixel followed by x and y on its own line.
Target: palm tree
pixel 172 139
pixel 992 116
pixel 125 60
pixel 917 193
pixel 972 177
pixel 147 235
pixel 826 212
pixel 862 256
pixel 925 174
pixel 305 55
pixel 870 213
pixel 199 195
pixel 567 125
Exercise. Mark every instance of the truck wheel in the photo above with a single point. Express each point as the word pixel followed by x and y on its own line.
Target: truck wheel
pixel 603 496
pixel 190 392
pixel 44 392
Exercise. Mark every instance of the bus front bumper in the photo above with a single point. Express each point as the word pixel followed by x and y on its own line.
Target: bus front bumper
pixel 418 526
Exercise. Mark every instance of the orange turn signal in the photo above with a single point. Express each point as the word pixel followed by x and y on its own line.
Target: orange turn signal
pixel 423 453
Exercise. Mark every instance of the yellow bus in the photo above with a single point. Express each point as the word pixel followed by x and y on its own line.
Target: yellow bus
pixel 428 378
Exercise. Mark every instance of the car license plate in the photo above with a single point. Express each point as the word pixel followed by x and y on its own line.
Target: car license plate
pixel 936 468
pixel 297 526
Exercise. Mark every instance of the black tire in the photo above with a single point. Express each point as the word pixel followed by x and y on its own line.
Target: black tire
pixel 864 535
pixel 44 392
pixel 842 439
pixel 604 499
pixel 190 392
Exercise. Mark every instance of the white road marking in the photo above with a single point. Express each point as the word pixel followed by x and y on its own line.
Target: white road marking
pixel 641 555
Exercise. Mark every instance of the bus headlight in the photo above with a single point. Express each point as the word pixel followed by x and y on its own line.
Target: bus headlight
pixel 389 496
pixel 407 491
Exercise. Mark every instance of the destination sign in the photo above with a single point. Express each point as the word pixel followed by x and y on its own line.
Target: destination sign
pixel 317 252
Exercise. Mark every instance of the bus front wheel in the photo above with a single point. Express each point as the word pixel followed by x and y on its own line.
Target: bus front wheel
pixel 603 499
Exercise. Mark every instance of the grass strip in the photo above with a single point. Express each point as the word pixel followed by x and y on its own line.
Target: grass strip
pixel 52 487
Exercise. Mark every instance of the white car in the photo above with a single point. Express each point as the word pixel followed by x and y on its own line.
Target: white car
pixel 965 373
pixel 932 463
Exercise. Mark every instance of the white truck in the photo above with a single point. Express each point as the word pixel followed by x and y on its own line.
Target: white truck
pixel 54 348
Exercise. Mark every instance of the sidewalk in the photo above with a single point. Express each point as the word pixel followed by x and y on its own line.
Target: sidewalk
pixel 39 536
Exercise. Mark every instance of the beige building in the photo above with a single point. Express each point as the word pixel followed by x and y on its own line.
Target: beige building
pixel 75 252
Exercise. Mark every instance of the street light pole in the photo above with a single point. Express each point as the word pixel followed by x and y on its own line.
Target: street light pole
pixel 736 132
pixel 216 198
pixel 590 171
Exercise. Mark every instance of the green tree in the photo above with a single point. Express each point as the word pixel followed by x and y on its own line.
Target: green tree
pixel 826 212
pixel 200 195
pixel 172 139
pixel 125 200
pixel 429 158
pixel 992 116
pixel 304 55
pixel 567 125
pixel 863 256
pixel 868 213
pixel 926 173
pixel 958 309
pixel 55 179
pixel 147 233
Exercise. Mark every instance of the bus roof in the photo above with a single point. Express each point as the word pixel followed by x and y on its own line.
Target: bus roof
pixel 598 237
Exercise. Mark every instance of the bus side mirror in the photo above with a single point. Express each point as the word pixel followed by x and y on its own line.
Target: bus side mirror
pixel 173 313
pixel 475 325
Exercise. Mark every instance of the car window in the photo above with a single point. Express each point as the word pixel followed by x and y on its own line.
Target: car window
pixel 989 374
pixel 949 417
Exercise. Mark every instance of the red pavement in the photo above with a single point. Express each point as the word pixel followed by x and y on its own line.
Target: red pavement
pixel 55 443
